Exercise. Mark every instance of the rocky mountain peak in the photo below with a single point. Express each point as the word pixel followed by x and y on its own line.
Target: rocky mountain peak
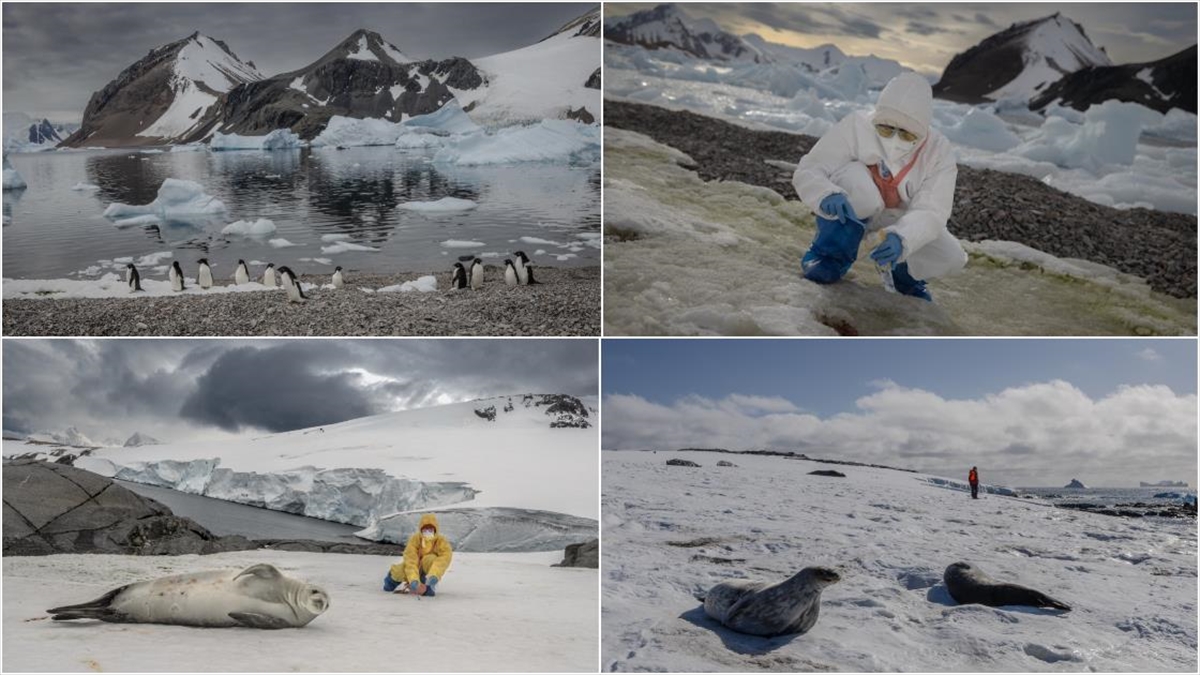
pixel 584 25
pixel 669 27
pixel 367 45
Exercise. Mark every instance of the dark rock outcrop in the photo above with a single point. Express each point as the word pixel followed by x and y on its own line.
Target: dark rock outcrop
pixel 724 463
pixel 681 462
pixel 488 413
pixel 1172 84
pixel 54 508
pixel 586 554
pixel 44 132
pixel 593 82
pixel 827 472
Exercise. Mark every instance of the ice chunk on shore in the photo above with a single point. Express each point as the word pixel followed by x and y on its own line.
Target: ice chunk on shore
pixel 440 205
pixel 450 118
pixel 280 139
pixel 353 132
pixel 258 228
pixel 981 129
pixel 12 179
pixel 177 200
pixel 561 141
pixel 425 284
pixel 1108 135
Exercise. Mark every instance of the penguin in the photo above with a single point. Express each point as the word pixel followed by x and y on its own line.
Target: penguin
pixel 269 276
pixel 176 274
pixel 204 276
pixel 288 278
pixel 477 274
pixel 524 269
pixel 459 280
pixel 337 277
pixel 529 280
pixel 242 274
pixel 133 278
pixel 510 273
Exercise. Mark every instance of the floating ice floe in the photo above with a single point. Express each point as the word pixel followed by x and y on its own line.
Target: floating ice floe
pixel 12 179
pixel 280 243
pixel 344 246
pixel 459 243
pixel 354 132
pixel 561 141
pixel 425 284
pixel 440 205
pixel 334 237
pixel 280 139
pixel 177 200
pixel 188 147
pixel 81 186
pixel 259 228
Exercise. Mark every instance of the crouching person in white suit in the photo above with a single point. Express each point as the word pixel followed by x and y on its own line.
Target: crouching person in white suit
pixel 890 172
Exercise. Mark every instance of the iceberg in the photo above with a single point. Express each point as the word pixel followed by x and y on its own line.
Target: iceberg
pixel 344 246
pixel 440 205
pixel 981 129
pixel 419 140
pixel 258 228
pixel 12 179
pixel 280 139
pixel 353 132
pixel 495 529
pixel 1108 135
pixel 179 200
pixel 561 141
pixel 449 119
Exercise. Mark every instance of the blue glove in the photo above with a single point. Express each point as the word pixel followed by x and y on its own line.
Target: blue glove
pixel 837 207
pixel 412 586
pixel 888 253
pixel 431 581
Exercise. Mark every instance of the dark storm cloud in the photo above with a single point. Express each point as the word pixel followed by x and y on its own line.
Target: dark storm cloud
pixel 921 28
pixel 983 20
pixel 57 54
pixel 173 389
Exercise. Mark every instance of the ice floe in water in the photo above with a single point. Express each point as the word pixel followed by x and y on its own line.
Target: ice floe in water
pixel 280 139
pixel 440 205
pixel 354 132
pixel 258 228
pixel 177 200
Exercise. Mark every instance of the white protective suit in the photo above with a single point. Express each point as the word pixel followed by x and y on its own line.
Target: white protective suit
pixel 839 163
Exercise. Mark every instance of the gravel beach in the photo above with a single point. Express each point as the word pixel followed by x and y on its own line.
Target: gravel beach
pixel 1154 245
pixel 567 302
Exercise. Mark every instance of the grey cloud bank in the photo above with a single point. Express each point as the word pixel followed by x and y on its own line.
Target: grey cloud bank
pixel 180 389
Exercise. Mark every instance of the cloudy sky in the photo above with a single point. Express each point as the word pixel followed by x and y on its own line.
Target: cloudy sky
pixel 57 54
pixel 925 36
pixel 1028 412
pixel 176 390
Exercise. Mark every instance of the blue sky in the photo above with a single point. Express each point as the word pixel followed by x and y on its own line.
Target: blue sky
pixel 827 376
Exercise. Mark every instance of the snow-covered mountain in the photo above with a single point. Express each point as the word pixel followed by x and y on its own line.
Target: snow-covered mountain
pixel 1160 85
pixel 815 59
pixel 669 27
pixel 169 95
pixel 138 439
pixel 507 473
pixel 1019 62
pixel 362 76
pixel 23 133
pixel 72 436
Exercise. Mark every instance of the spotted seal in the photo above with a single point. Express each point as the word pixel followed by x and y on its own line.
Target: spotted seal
pixel 968 584
pixel 758 608
pixel 259 596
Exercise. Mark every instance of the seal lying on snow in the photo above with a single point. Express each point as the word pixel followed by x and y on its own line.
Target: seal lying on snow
pixel 968 584
pixel 257 597
pixel 759 608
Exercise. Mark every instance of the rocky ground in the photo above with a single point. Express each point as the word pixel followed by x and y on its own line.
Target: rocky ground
pixel 1157 246
pixel 567 302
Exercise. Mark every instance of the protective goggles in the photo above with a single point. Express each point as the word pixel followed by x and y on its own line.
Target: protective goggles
pixel 888 131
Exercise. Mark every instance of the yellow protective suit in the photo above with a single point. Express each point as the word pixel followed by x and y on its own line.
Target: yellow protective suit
pixel 420 556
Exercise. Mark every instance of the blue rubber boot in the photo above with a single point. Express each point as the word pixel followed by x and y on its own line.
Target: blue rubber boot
pixel 907 285
pixel 833 250
pixel 390 584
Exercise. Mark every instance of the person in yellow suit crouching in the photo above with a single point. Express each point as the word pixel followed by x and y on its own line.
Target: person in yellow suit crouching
pixel 426 557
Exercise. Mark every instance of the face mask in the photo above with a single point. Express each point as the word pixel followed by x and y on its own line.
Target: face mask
pixel 895 149
pixel 428 534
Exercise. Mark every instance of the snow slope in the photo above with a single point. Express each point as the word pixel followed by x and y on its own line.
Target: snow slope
pixel 671 533
pixel 1054 47
pixel 493 612
pixel 685 257
pixel 202 70
pixel 541 81
pixel 366 470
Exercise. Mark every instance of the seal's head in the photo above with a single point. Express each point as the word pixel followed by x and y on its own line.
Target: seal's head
pixel 313 600
pixel 821 576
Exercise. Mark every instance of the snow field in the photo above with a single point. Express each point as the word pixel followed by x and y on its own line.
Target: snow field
pixel 684 257
pixel 492 612
pixel 671 533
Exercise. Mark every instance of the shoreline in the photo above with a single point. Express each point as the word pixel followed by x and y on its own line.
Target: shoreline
pixel 566 303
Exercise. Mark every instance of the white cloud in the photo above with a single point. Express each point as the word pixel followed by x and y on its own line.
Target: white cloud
pixel 1148 354
pixel 1037 434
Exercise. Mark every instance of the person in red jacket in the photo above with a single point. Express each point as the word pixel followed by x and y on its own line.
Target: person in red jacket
pixel 973 479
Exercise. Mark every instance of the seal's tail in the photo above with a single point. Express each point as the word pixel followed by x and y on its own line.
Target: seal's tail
pixel 96 609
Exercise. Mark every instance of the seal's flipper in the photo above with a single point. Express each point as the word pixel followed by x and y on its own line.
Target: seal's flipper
pixel 253 620
pixel 262 571
pixel 1047 601
pixel 96 609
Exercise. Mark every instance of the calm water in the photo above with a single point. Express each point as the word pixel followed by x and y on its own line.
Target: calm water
pixel 53 231
pixel 1110 496
pixel 225 518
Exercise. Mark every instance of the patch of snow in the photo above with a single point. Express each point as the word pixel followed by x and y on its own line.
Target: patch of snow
pixel 362 51
pixel 425 284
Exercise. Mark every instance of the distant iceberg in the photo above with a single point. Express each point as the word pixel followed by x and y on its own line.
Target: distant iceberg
pixel 353 132
pixel 561 141
pixel 449 119
pixel 178 200
pixel 12 179
pixel 280 139
pixel 440 205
